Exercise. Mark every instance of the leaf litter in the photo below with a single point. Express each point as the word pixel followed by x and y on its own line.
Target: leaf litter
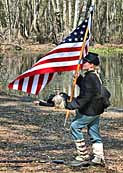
pixel 32 136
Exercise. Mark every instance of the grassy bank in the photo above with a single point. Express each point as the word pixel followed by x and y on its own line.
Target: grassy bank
pixel 41 49
pixel 107 51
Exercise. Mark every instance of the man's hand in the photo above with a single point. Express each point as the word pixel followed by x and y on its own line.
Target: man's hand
pixel 72 105
pixel 76 74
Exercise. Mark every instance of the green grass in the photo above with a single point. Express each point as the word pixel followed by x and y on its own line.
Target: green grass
pixel 107 51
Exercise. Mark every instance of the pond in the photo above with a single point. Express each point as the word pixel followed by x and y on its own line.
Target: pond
pixel 112 75
pixel 111 71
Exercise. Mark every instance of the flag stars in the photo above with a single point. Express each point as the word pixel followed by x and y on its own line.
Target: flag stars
pixel 75 33
pixel 76 39
pixel 84 26
pixel 78 34
pixel 70 39
pixel 81 32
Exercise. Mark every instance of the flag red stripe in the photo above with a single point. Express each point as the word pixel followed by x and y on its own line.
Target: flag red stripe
pixel 61 50
pixel 30 82
pixel 10 86
pixel 20 84
pixel 66 49
pixel 50 77
pixel 49 70
pixel 40 81
pixel 46 69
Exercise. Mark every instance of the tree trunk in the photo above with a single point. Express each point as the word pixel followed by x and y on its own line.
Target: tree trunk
pixel 76 14
pixel 35 15
pixel 65 17
pixel 121 23
pixel 54 5
pixel 9 15
pixel 70 14
pixel 58 5
pixel 107 22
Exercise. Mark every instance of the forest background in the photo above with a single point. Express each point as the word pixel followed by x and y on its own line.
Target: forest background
pixel 29 133
pixel 50 20
pixel 30 28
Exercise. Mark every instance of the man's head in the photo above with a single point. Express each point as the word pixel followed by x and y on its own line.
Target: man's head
pixel 90 61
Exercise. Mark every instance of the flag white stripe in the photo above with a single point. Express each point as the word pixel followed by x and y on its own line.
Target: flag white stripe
pixel 54 74
pixel 15 85
pixel 25 84
pixel 60 55
pixel 35 84
pixel 68 45
pixel 45 80
pixel 89 24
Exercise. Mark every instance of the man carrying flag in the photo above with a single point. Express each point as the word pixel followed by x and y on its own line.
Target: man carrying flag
pixel 88 106
pixel 66 57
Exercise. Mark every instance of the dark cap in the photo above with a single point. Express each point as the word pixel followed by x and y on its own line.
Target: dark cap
pixel 92 58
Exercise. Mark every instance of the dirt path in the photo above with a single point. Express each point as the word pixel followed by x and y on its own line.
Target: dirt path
pixel 29 133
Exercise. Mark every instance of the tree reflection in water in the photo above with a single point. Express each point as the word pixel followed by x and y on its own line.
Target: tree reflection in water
pixel 111 71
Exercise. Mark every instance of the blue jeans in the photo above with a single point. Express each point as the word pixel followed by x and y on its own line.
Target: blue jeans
pixel 91 122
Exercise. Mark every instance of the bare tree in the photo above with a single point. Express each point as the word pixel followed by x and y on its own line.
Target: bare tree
pixel 47 20
pixel 9 17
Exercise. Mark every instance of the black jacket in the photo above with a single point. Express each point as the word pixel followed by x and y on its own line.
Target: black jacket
pixel 89 100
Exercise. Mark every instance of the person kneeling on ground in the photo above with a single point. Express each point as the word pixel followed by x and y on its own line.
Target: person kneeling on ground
pixel 58 101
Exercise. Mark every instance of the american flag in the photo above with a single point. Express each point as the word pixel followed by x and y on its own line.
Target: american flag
pixel 64 57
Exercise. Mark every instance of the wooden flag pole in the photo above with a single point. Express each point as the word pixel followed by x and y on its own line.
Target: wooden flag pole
pixel 76 73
